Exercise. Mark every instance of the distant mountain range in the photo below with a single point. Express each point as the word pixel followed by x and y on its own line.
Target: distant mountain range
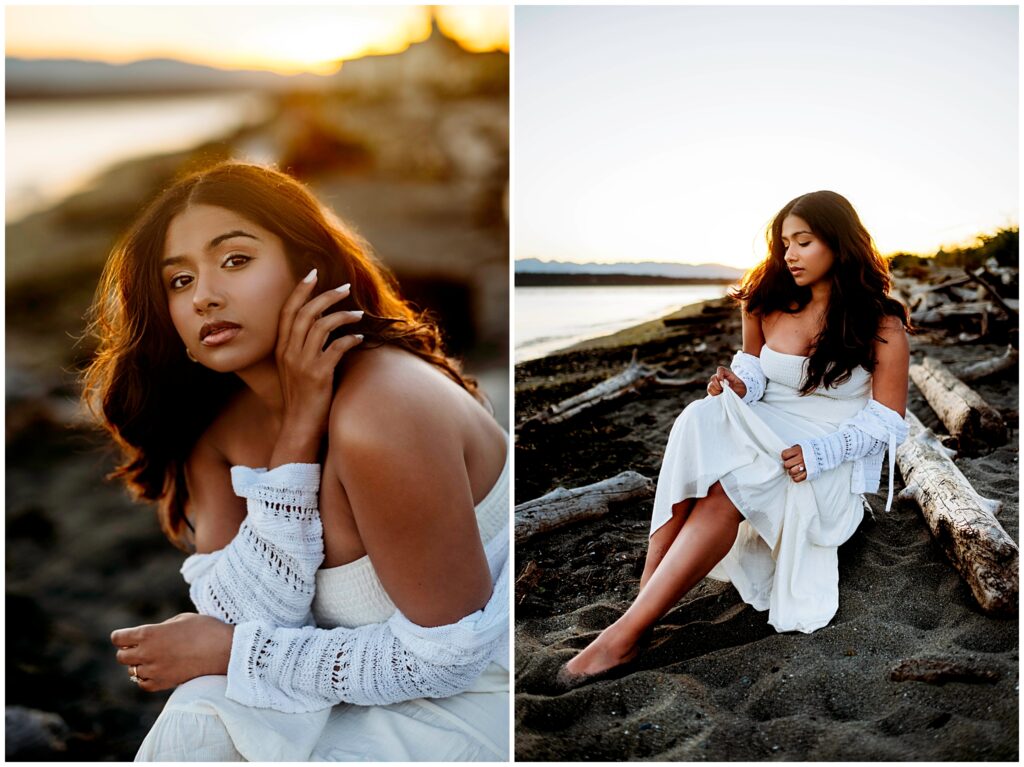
pixel 650 268
pixel 47 78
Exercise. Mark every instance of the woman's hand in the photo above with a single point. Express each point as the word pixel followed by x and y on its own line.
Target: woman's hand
pixel 724 374
pixel 793 463
pixel 163 655
pixel 306 368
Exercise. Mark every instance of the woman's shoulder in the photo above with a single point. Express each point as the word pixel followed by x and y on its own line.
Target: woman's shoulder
pixel 386 389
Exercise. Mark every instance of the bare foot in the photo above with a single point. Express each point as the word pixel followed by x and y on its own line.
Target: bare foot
pixel 605 652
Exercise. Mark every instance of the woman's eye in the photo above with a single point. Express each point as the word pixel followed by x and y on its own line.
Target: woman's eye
pixel 176 283
pixel 803 244
pixel 235 257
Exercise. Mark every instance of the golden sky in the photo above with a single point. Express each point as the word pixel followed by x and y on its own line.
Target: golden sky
pixel 286 40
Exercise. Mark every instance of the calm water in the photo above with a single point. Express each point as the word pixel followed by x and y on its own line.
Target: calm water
pixel 548 319
pixel 55 147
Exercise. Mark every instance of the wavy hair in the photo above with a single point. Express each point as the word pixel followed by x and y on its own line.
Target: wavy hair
pixel 140 369
pixel 860 285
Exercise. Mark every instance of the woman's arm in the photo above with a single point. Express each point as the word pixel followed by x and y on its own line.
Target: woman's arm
pixel 403 470
pixel 263 567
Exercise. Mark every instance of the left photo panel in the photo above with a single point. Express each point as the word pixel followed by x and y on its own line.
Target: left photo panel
pixel 257 360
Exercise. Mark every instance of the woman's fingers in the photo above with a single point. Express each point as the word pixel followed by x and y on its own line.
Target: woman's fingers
pixel 309 313
pixel 322 328
pixel 299 296
pixel 339 346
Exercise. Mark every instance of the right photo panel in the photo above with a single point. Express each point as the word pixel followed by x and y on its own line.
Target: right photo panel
pixel 766 383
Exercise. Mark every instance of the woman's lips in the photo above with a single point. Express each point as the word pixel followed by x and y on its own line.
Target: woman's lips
pixel 221 337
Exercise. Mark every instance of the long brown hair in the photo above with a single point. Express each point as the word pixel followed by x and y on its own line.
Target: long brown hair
pixel 140 371
pixel 860 285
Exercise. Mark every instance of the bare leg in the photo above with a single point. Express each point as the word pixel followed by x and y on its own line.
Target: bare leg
pixel 706 536
pixel 658 544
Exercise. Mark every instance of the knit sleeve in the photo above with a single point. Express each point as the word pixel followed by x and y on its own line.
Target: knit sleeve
pixel 869 432
pixel 747 368
pixel 306 669
pixel 268 570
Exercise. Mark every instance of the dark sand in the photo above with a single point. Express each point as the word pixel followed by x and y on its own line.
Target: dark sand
pixel 718 683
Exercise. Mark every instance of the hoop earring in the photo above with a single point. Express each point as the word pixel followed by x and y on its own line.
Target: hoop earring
pixel 188 352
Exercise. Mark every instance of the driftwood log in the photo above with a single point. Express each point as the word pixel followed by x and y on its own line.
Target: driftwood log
pixel 941 670
pixel 967 416
pixel 984 368
pixel 562 507
pixel 635 377
pixel 962 521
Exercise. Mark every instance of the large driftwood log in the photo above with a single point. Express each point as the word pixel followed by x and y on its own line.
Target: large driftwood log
pixel 984 368
pixel 961 520
pixel 635 377
pixel 562 507
pixel 965 414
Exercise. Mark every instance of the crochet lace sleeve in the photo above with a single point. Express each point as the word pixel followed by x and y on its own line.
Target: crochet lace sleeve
pixel 307 669
pixel 869 432
pixel 268 570
pixel 747 368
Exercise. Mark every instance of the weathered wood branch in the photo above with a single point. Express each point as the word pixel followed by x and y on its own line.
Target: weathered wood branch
pixel 635 377
pixel 563 507
pixel 984 368
pixel 982 276
pixel 967 416
pixel 961 520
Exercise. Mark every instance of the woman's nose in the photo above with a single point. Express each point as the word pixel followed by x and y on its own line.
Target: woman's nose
pixel 206 295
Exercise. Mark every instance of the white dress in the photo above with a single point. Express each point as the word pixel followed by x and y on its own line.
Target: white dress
pixel 785 557
pixel 199 723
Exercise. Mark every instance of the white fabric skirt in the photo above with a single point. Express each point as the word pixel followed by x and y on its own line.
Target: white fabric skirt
pixel 785 557
pixel 199 724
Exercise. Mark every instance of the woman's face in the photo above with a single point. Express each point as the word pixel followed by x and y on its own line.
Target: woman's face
pixel 226 280
pixel 807 257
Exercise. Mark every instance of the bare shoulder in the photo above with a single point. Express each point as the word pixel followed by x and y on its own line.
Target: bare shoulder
pixel 388 393
pixel 892 340
pixel 753 332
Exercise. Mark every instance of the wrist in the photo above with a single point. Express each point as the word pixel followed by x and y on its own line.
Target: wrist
pixel 296 444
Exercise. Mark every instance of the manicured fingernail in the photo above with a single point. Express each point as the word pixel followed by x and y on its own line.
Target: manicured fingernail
pixel 358 312
pixel 310 277
pixel 343 288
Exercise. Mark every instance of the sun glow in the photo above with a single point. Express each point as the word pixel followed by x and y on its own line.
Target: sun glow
pixel 286 40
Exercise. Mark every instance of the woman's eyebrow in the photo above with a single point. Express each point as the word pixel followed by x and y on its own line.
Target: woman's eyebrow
pixel 802 231
pixel 172 260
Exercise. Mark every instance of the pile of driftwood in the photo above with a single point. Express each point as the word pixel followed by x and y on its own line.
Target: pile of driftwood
pixel 981 304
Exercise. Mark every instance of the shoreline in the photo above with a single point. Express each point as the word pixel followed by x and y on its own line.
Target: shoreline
pixel 640 332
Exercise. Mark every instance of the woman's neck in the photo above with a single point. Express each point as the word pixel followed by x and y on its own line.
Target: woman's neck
pixel 265 382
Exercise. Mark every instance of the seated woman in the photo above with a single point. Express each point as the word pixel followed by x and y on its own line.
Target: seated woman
pixel 763 480
pixel 365 560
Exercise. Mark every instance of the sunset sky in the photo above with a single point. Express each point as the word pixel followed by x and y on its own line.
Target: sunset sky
pixel 287 40
pixel 676 133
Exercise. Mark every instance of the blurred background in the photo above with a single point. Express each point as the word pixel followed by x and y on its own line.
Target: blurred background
pixel 396 117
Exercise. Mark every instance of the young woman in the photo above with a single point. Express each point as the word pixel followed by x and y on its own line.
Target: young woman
pixel 762 481
pixel 366 563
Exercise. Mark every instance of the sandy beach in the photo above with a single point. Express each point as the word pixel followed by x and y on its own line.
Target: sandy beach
pixel 717 682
